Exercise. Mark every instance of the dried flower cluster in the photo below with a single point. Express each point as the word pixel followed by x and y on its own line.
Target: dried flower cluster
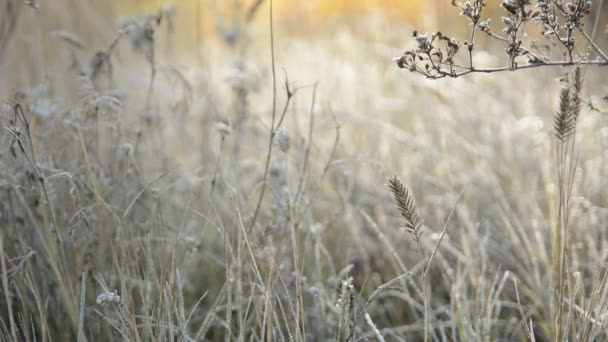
pixel 560 22
pixel 108 297
pixel 282 140
pixel 140 29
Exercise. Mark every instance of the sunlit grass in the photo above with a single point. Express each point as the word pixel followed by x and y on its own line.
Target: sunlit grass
pixel 127 195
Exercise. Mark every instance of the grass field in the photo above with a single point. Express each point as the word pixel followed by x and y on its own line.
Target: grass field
pixel 177 173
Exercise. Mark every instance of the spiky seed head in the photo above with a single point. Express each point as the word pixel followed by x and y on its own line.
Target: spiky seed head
pixel 407 207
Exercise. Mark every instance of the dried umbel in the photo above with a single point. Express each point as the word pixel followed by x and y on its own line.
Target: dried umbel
pixel 427 57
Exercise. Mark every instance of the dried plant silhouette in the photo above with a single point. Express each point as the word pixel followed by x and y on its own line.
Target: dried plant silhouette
pixel 558 22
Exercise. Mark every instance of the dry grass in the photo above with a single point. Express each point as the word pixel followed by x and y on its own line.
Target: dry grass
pixel 152 192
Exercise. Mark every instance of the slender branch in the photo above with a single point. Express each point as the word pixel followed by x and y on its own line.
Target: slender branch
pixel 309 146
pixel 593 44
pixel 496 36
pixel 272 126
pixel 468 70
pixel 597 19
pixel 472 44
pixel 445 226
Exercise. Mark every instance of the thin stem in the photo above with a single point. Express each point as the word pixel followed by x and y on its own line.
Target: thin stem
pixel 569 46
pixel 425 286
pixel 272 127
pixel 496 36
pixel 308 147
pixel 593 44
pixel 597 19
pixel 468 70
pixel 445 226
pixel 472 45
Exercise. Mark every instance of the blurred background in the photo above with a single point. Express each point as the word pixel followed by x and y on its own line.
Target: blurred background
pixel 385 26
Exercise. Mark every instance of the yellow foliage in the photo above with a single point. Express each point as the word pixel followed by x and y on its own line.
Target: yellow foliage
pixel 316 10
pixel 347 6
pixel 321 9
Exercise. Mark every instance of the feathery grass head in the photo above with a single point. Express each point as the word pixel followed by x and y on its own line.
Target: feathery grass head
pixel 344 297
pixel 577 88
pixel 570 101
pixel 564 122
pixel 407 207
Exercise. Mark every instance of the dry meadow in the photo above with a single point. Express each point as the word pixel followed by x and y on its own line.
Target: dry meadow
pixel 206 172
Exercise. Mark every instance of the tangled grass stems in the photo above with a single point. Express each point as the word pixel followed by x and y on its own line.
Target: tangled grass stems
pixel 565 122
pixel 413 225
pixel 275 277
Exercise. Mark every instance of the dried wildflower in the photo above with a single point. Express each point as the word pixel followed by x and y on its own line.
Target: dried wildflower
pixel 127 149
pixel 471 9
pixel 484 25
pixel 223 128
pixel 559 19
pixel 543 4
pixel 100 64
pixel 34 4
pixel 452 47
pixel 282 139
pixel 140 30
pixel 108 297
pixel 510 25
pixel 466 9
pixel 516 7
pixel 424 44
